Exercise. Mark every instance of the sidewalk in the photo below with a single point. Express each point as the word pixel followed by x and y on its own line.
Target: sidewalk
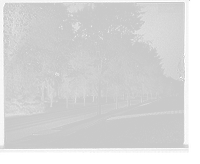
pixel 40 140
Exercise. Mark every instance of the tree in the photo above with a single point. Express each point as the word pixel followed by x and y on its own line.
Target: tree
pixel 17 20
pixel 37 24
pixel 98 24
pixel 112 74
pixel 75 70
pixel 22 76
pixel 64 79
pixel 47 30
pixel 172 87
pixel 82 69
pixel 43 29
pixel 50 33
pixel 49 85
pixel 148 64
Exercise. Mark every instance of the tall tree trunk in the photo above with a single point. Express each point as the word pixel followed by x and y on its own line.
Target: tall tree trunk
pixel 92 98
pixel 73 102
pixel 133 95
pixel 84 100
pixel 99 97
pixel 141 97
pixel 51 101
pixel 67 102
pixel 67 93
pixel 76 93
pixel 106 92
pixel 102 95
pixel 51 95
pixel 58 93
pixel 116 102
pixel 128 99
pixel 116 97
pixel 84 93
pixel 75 99
pixel 42 89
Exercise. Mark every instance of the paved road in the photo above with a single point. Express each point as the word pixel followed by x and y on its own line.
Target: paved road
pixel 18 128
pixel 166 130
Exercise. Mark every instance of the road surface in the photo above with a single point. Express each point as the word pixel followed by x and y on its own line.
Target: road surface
pixel 156 125
pixel 21 127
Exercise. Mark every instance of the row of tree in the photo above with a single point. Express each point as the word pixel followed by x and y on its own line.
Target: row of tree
pixel 77 49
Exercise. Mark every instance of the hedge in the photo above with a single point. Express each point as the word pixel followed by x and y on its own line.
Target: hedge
pixel 23 107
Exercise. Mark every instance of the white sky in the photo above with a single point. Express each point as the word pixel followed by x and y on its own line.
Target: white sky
pixel 164 27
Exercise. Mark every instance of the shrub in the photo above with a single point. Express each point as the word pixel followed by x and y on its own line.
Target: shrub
pixel 20 106
pixel 34 107
pixel 11 108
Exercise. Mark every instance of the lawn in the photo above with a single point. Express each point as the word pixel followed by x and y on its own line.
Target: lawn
pixel 61 104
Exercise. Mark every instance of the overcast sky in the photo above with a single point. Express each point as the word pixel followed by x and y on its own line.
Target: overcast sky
pixel 164 27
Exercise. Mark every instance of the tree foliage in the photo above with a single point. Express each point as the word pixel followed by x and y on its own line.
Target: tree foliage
pixel 109 26
pixel 80 47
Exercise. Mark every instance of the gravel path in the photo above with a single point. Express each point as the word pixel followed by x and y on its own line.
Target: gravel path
pixel 151 131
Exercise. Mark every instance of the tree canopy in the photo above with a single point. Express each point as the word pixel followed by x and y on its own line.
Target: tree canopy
pixel 80 45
